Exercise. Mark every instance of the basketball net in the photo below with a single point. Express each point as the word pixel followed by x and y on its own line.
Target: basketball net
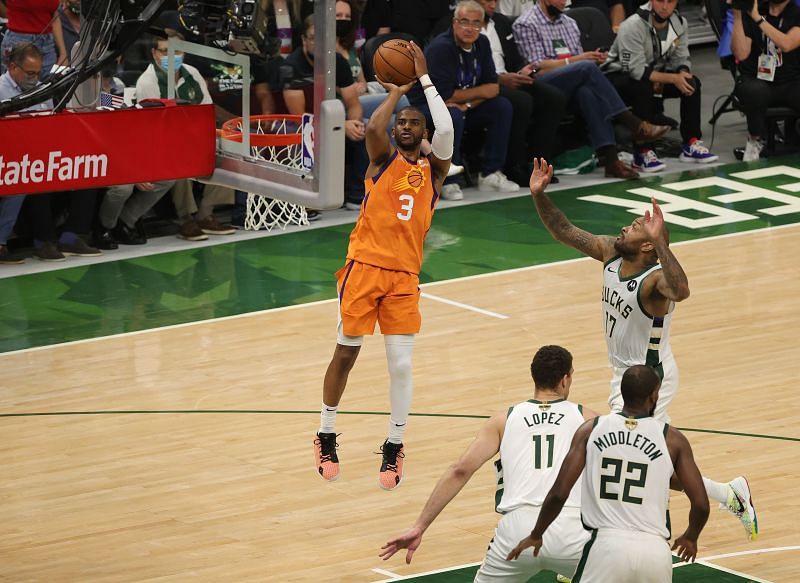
pixel 264 212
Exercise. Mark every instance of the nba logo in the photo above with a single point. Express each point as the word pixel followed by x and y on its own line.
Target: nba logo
pixel 308 142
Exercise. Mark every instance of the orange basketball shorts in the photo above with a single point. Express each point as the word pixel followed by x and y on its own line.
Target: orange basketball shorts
pixel 369 294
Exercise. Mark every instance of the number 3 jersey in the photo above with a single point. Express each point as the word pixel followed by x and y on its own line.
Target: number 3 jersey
pixel 632 335
pixel 395 215
pixel 535 442
pixel 626 480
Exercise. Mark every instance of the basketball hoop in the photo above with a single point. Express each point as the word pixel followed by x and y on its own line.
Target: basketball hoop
pixel 275 139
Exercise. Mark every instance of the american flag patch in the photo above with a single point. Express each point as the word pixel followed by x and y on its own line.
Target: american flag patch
pixel 110 100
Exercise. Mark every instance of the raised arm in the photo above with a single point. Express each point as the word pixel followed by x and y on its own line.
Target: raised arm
pixel 379 148
pixel 443 132
pixel 554 501
pixel 670 283
pixel 595 246
pixel 689 475
pixel 485 446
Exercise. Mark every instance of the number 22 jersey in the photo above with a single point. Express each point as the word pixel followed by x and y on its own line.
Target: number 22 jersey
pixel 395 215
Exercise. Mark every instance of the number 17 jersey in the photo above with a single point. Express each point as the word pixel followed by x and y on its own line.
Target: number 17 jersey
pixel 395 215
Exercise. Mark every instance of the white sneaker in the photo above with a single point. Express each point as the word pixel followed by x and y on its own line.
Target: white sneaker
pixel 740 504
pixel 452 192
pixel 497 181
pixel 752 151
pixel 454 170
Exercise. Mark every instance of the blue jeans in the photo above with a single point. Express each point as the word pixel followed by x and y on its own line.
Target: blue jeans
pixel 9 211
pixel 494 116
pixel 592 94
pixel 43 42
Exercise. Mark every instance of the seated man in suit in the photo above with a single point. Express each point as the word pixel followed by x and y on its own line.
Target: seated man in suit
pixel 551 42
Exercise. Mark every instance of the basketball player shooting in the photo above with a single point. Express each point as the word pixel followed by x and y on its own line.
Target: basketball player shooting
pixel 380 279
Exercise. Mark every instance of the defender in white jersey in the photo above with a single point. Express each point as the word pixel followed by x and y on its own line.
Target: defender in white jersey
pixel 533 438
pixel 642 281
pixel 627 460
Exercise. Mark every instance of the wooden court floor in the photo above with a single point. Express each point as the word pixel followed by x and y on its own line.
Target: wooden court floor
pixel 184 454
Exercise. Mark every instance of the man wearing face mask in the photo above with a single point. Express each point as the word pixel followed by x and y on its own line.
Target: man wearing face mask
pixel 650 60
pixel 24 66
pixel 189 83
pixel 551 42
pixel 190 86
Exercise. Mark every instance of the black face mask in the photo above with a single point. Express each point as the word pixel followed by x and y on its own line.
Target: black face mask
pixel 552 11
pixel 343 28
pixel 659 19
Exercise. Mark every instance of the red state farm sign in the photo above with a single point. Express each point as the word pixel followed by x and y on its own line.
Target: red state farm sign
pixel 67 151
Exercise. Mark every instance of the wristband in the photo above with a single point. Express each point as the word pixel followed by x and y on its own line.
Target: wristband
pixel 760 21
pixel 425 80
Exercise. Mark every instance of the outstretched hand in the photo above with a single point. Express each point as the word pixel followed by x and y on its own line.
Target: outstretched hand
pixel 403 89
pixel 653 224
pixel 410 540
pixel 420 64
pixel 541 176
pixel 528 541
pixel 686 547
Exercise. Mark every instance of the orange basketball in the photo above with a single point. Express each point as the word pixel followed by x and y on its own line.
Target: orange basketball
pixel 394 63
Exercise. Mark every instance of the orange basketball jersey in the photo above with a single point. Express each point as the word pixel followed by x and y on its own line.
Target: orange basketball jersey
pixel 395 215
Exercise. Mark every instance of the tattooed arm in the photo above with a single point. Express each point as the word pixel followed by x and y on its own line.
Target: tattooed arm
pixel 597 247
pixel 670 282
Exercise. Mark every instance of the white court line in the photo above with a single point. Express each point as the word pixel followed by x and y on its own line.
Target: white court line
pixel 465 306
pixel 749 578
pixel 434 572
pixel 387 573
pixel 318 302
pixel 752 552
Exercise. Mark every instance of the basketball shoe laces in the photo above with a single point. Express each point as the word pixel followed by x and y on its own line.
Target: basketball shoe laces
pixel 327 447
pixel 390 452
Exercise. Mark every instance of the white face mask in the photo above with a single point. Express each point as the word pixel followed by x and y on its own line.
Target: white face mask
pixel 178 62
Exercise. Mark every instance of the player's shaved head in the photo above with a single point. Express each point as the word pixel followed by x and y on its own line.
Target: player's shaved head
pixel 638 384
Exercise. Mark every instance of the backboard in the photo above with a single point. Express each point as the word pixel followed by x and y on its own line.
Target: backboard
pixel 240 168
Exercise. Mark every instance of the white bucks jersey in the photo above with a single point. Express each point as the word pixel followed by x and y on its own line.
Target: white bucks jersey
pixel 536 440
pixel 626 480
pixel 633 336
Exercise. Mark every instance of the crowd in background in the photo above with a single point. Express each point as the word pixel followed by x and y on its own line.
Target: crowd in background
pixel 516 75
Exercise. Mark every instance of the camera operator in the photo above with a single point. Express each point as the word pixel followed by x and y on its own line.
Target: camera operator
pixel 765 41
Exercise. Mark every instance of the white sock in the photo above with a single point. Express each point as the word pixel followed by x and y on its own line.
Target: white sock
pixel 327 419
pixel 716 490
pixel 399 348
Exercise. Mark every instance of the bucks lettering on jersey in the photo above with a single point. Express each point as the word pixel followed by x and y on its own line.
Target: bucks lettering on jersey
pixel 535 442
pixel 633 336
pixel 626 480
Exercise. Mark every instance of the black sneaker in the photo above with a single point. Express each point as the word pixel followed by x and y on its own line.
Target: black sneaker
pixel 103 239
pixel 9 258
pixel 122 233
pixel 391 472
pixel 325 456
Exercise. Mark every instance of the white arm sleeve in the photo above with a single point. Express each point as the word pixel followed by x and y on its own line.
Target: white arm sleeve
pixel 442 141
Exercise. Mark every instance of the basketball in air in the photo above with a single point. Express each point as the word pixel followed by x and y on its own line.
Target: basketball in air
pixel 394 62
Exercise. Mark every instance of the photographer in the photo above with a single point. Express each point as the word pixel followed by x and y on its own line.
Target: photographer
pixel 648 61
pixel 765 40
